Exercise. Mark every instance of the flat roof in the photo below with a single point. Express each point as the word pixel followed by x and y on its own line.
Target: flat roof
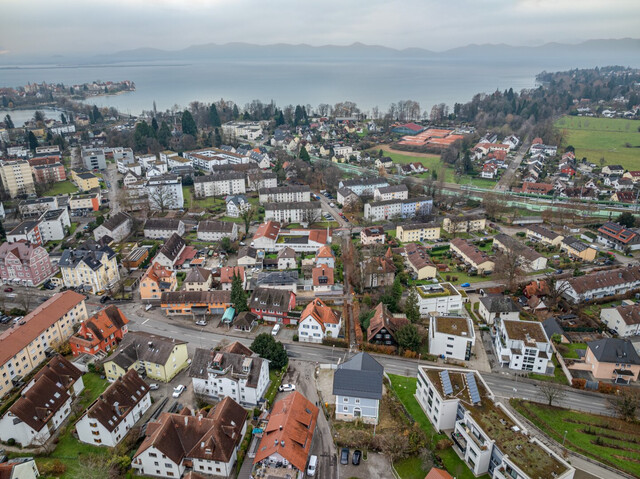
pixel 526 331
pixel 454 325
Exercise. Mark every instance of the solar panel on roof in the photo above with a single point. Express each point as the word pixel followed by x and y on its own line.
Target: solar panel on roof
pixel 446 382
pixel 473 388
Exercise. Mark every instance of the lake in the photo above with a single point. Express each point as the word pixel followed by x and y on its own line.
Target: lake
pixel 368 83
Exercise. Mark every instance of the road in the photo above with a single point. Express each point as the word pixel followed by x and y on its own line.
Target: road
pixel 504 183
pixel 110 175
pixel 335 212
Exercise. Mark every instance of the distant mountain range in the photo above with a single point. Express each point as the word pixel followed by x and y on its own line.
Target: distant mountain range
pixel 624 52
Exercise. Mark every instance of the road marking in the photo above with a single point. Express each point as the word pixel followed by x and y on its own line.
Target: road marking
pixel 145 321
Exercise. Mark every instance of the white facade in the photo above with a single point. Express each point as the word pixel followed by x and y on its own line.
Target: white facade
pixel 54 225
pixel 310 330
pixel 285 195
pixel 441 298
pixel 164 191
pixel 208 234
pixel 522 345
pixel 222 184
pixel 152 462
pixel 625 322
pixel 164 232
pixel 304 213
pixel 451 337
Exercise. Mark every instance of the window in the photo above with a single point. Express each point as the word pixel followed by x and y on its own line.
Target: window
pixel 345 408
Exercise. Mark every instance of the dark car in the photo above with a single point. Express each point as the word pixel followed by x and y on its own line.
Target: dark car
pixel 357 455
pixel 344 456
pixel 8 290
pixel 104 299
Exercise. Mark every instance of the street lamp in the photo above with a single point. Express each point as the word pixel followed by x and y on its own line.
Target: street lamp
pixel 564 438
pixel 333 348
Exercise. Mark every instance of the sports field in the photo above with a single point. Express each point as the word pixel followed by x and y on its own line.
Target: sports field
pixel 615 139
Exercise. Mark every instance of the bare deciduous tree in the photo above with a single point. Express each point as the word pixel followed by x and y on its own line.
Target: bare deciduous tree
pixel 160 198
pixel 508 267
pixel 551 392
pixel 626 404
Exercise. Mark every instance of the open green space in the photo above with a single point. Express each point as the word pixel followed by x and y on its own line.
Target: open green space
pixel 606 439
pixel 571 350
pixel 410 468
pixel 558 374
pixel 405 389
pixel 61 188
pixel 431 162
pixel 607 138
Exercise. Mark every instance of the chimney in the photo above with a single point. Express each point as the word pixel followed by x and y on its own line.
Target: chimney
pixel 186 420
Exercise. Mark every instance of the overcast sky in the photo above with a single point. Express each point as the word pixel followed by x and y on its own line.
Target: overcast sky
pixel 103 26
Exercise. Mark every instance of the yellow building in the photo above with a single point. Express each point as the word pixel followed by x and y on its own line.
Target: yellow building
pixel 16 177
pixel 92 267
pixel 85 180
pixel 577 249
pixel 23 347
pixel 418 232
pixel 161 357
pixel 464 223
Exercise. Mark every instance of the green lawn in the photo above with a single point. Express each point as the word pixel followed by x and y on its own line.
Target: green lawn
pixel 186 194
pixel 572 353
pixel 410 468
pixel 405 388
pixel 432 162
pixel 558 375
pixel 606 439
pixel 61 188
pixel 232 220
pixel 603 137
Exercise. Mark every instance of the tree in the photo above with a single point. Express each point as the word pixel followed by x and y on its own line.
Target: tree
pixel 225 244
pixel 32 141
pixel 551 392
pixel 411 307
pixel 214 119
pixel 507 267
pixel 96 116
pixel 626 404
pixel 140 135
pixel 238 294
pixel 304 155
pixel 164 134
pixel 38 116
pixel 160 197
pixel 408 338
pixel 247 215
pixel 265 346
pixel 189 124
pixel 626 219
pixel 154 126
pixel 236 112
pixel 9 122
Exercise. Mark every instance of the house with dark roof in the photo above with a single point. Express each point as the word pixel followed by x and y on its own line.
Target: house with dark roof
pixel 93 267
pixel 498 306
pixel 118 227
pixel 210 230
pixel 163 228
pixel 623 319
pixel 204 442
pixel 43 405
pixel 600 284
pixel 527 258
pixel 112 415
pixel 383 326
pixel 357 386
pixel 234 371
pixel 278 280
pixel 197 279
pixel 611 359
pixel 170 251
pixel 379 270
pixel 274 305
pixel 614 235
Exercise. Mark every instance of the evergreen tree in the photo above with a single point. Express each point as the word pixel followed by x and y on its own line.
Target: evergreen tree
pixel 214 119
pixel 236 112
pixel 298 116
pixel 412 308
pixel 164 134
pixel 217 140
pixel 5 102
pixel 280 118
pixel 140 136
pixel 408 338
pixel 189 124
pixel 9 122
pixel 96 116
pixel 238 295
pixel 626 219
pixel 265 346
pixel 3 234
pixel 32 141
pixel 154 126
pixel 60 141
pixel 63 119
pixel 304 154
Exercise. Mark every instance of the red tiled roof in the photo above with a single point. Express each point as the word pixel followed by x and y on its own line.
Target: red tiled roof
pixel 320 312
pixel 228 272
pixel 270 230
pixel 322 271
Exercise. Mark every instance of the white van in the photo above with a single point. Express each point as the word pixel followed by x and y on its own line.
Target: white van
pixel 313 464
pixel 275 330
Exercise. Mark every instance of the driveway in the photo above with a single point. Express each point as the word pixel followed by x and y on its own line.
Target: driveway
pixel 376 465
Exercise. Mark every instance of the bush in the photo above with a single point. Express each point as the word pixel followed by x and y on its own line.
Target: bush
pixel 17 312
pixel 521 234
pixel 52 469
pixel 443 444
pixel 11 442
pixel 578 383
pixel 295 337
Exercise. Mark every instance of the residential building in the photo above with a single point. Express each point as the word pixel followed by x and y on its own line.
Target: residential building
pixel 278 280
pixel 165 192
pixel 464 224
pixel 22 348
pixel 577 249
pixel 286 194
pixel 528 258
pixel 35 207
pixel 612 170
pixel 163 228
pixel 159 356
pixel 600 284
pixel 94 159
pixel 441 298
pixel 82 205
pixel 156 280
pixel 324 256
pixel 305 213
pixel 451 336
pixel 100 333
pixel 197 279
pixel 322 279
pixel 623 319
pixel 207 443
pixel 419 261
pixel 26 264
pixel 436 473
pixel 287 259
pixel 344 196
pixel 379 270
pixel 317 322
pixel 43 405
pixel 195 303
pixel 372 235
pixel 49 173
pixel 409 208
pixel 472 256
pixel 363 187
pixel 300 240
pixel 210 230
pixel 54 225
pixel 92 267
pixel 16 177
pixel 274 305
pixel 544 235
pixel 234 371
pixel 19 468
pixel 115 412
pixel 383 326
pixel 27 231
pixel 236 205
pixel 170 252
pixel 611 359
pixel 117 227
pixel 288 435
pixel 220 184
pixel 614 235
pixel 85 180
pixel 495 307
pixel 411 232
pixel 357 386
pixel 460 400
pixel 522 345
pixel 136 257
pixel 393 192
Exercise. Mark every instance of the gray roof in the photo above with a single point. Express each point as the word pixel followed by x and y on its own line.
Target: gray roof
pixel 277 278
pixel 138 345
pixel 173 247
pixel 361 376
pixel 231 365
pixel 91 253
pixel 162 224
pixel 271 299
pixel 211 226
pixel 614 350
pixel 552 327
pixel 116 220
pixel 499 304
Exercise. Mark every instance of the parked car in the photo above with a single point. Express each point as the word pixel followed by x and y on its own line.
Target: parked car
pixel 344 456
pixel 287 388
pixel 104 299
pixel 8 290
pixel 178 390
pixel 357 455
pixel 154 386
pixel 275 330
pixel 313 464
pixel 465 285
pixel 201 322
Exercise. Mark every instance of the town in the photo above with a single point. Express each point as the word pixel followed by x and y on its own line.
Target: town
pixel 266 292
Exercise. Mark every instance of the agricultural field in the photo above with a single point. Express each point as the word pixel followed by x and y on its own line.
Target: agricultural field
pixel 606 439
pixel 616 140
